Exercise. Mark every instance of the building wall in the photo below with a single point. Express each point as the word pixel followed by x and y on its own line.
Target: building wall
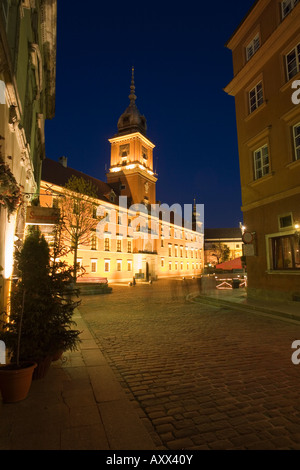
pixel 265 197
pixel 27 66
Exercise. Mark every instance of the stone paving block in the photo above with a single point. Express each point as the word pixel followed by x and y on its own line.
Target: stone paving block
pixel 124 429
pixel 104 383
pixel 91 437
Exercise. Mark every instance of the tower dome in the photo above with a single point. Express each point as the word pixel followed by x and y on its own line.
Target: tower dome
pixel 132 120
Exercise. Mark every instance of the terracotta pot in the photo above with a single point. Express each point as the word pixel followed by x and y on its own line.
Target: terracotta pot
pixel 15 382
pixel 42 368
pixel 57 356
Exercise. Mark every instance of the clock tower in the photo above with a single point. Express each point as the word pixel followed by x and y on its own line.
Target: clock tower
pixel 131 163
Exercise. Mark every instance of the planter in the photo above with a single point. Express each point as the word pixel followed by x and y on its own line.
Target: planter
pixel 57 356
pixel 42 368
pixel 15 382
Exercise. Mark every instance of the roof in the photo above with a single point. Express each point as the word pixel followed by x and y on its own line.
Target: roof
pixel 222 233
pixel 55 173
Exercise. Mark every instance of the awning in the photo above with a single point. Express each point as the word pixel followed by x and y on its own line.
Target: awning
pixel 230 265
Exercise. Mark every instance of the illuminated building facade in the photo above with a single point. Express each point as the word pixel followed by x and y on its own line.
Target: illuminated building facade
pixel 133 240
pixel 214 238
pixel 27 98
pixel 266 62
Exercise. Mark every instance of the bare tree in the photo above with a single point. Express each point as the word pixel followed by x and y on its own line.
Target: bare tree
pixel 221 252
pixel 77 210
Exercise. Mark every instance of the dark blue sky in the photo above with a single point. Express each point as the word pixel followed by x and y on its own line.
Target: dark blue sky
pixel 181 67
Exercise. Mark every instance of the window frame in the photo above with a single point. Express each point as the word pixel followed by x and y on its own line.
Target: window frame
pixel 293 3
pixel 94 261
pixel 295 49
pixel 296 148
pixel 254 47
pixel 257 101
pixel 255 152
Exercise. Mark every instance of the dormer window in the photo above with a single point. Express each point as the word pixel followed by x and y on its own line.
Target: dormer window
pixel 252 47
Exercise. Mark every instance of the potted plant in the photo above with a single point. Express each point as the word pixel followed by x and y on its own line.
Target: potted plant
pixel 40 318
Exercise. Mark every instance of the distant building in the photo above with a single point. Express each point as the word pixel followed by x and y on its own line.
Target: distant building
pixel 27 99
pixel 216 238
pixel 266 62
pixel 162 245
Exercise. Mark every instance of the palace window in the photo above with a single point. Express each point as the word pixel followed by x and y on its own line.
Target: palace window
pixel 296 135
pixel 93 242
pixel 107 265
pixel 106 244
pixel 93 265
pixel 129 265
pixel 170 250
pixel 129 246
pixel 176 251
pixel 256 97
pixel 181 265
pixel 176 265
pixel 286 252
pixel 170 265
pixel 293 62
pixel 162 262
pixel 119 265
pixel 252 47
pixel 181 251
pixel 119 245
pixel 261 162
pixel 287 6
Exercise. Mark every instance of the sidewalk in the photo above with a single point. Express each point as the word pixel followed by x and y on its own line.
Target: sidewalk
pixel 237 299
pixel 79 405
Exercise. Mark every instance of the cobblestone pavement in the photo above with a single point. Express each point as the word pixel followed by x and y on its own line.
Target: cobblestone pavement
pixel 202 377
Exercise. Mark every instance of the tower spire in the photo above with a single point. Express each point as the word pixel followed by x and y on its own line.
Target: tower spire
pixel 132 95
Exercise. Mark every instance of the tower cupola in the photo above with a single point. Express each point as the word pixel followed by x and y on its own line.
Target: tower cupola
pixel 132 120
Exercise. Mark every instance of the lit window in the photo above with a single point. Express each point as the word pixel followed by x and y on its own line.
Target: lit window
pixel 181 251
pixel 170 265
pixel 286 252
pixel 256 97
pixel 176 265
pixel 106 244
pixel 287 6
pixel 252 47
pixel 261 162
pixel 119 265
pixel 296 134
pixel 93 265
pixel 93 242
pixel 119 244
pixel 181 265
pixel 129 265
pixel 129 246
pixel 107 265
pixel 170 250
pixel 162 262
pixel 176 251
pixel 293 62
pixel 79 262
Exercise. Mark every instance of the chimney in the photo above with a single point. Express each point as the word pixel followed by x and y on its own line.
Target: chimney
pixel 63 161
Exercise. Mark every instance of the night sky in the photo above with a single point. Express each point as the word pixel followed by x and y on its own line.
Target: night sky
pixel 181 67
